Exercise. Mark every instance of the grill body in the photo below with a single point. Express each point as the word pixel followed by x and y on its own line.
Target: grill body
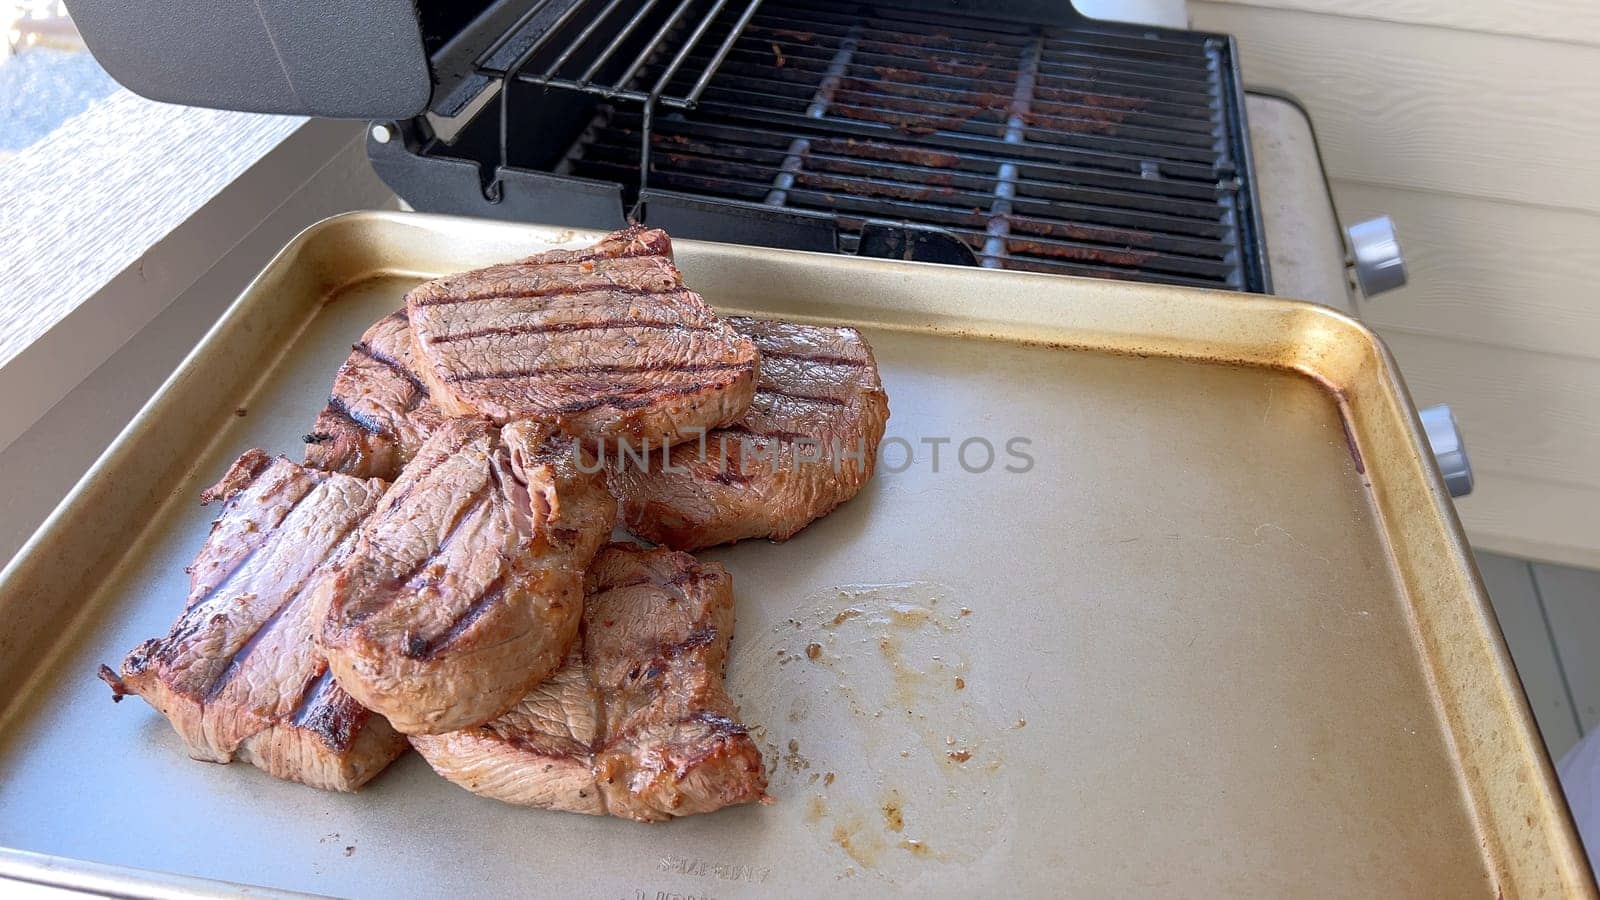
pixel 928 131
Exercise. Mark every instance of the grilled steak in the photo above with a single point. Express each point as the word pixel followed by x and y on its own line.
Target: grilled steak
pixel 466 584
pixel 807 444
pixel 606 342
pixel 378 413
pixel 239 674
pixel 637 723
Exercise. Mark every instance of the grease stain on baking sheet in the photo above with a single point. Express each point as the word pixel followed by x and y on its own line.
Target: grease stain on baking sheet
pixel 877 692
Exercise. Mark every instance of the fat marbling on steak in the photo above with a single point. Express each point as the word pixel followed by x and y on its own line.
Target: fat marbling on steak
pixel 378 412
pixel 606 342
pixel 465 586
pixel 637 723
pixel 239 674
pixel 807 444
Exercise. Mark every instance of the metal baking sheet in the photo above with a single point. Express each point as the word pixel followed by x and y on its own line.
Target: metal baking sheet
pixel 1221 635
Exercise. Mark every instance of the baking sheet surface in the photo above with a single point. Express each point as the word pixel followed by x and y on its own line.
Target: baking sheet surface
pixel 1173 656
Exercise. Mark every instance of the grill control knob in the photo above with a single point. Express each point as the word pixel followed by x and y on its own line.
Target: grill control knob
pixel 1379 264
pixel 1448 450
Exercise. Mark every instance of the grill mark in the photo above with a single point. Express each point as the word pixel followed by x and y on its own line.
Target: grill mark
pixel 567 327
pixel 805 398
pixel 425 466
pixel 790 436
pixel 392 590
pixel 671 588
pixel 466 510
pixel 687 576
pixel 625 584
pixel 723 726
pixel 237 660
pixel 631 399
pixel 419 648
pixel 315 686
pixel 240 656
pixel 330 714
pixel 610 369
pixel 556 289
pixel 729 477
pixel 227 579
pixel 392 364
pixel 827 359
pixel 526 744
pixel 702 636
pixel 337 406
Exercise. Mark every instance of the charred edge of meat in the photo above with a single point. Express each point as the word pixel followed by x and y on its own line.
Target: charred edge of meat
pixel 568 327
pixel 610 369
pixel 544 290
pixel 392 364
pixel 316 437
pixel 332 717
pixel 138 659
pixel 119 688
pixel 338 407
pixel 627 243
pixel 243 473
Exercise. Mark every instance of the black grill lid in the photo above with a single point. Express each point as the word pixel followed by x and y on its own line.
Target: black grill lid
pixel 350 59
pixel 358 60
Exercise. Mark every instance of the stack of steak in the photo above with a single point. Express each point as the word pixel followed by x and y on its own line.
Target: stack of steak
pixel 437 570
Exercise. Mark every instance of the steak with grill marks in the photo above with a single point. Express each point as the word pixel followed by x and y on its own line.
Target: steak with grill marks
pixel 807 444
pixel 637 723
pixel 466 584
pixel 606 342
pixel 239 675
pixel 378 412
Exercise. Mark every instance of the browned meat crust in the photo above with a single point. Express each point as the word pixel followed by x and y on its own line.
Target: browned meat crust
pixel 378 412
pixel 605 342
pixel 239 675
pixel 807 444
pixel 466 584
pixel 637 723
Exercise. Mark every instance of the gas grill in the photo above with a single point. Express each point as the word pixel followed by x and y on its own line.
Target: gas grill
pixel 917 131
pixel 1016 134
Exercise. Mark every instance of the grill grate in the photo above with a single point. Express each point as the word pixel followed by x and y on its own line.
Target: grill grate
pixel 1073 147
pixel 1070 149
pixel 580 46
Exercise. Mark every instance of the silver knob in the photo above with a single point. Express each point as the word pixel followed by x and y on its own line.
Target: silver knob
pixel 383 134
pixel 1379 264
pixel 1448 450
